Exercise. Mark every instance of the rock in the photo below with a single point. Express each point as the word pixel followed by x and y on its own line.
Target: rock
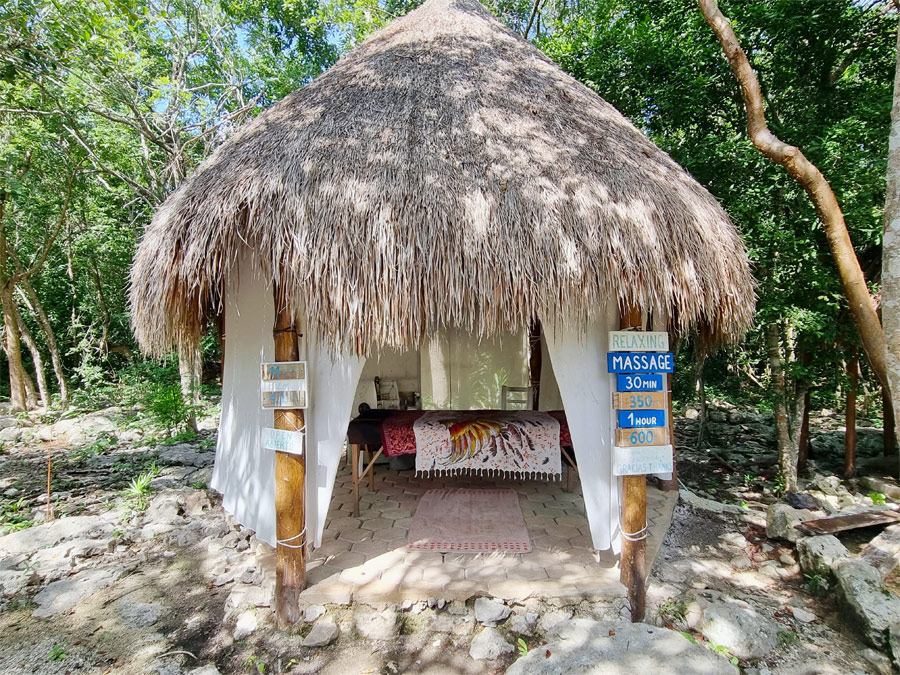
pixel 489 644
pixel 490 610
pixel 164 508
pixel 522 624
pixel 549 620
pixel 139 614
pixel 313 612
pixel 457 608
pixel 881 663
pixel 323 633
pixel 195 503
pixel 186 455
pixel 16 581
pixel 820 554
pixel 63 595
pixel 883 552
pixel 780 521
pixel 11 435
pixel 690 499
pixel 377 625
pixel 598 648
pixel 830 485
pixel 870 607
pixel 802 615
pixel 691 413
pixel 209 669
pixel 82 430
pixel 63 529
pixel 800 500
pixel 743 631
pixel 246 625
pixel 741 562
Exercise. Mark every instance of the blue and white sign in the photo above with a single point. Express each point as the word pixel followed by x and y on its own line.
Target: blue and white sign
pixel 639 382
pixel 631 419
pixel 640 362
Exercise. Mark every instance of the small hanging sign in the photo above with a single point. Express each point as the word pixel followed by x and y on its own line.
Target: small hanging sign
pixel 282 441
pixel 630 419
pixel 283 385
pixel 639 382
pixel 642 437
pixel 639 401
pixel 639 461
pixel 283 370
pixel 638 341
pixel 640 362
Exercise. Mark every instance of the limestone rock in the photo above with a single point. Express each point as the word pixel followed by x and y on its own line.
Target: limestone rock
pixel 63 529
pixel 870 607
pixel 139 614
pixel 323 632
pixel 63 595
pixel 743 631
pixel 690 499
pixel 780 521
pixel 313 612
pixel 246 625
pixel 490 610
pixel 819 555
pixel 377 625
pixel 522 624
pixel 489 644
pixel 187 455
pixel 802 615
pixel 15 581
pixel 208 669
pixel 600 648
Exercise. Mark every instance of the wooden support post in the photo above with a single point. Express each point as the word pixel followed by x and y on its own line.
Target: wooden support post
pixel 850 416
pixel 632 561
pixel 290 486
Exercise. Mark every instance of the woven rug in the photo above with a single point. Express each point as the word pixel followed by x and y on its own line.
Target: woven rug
pixel 469 521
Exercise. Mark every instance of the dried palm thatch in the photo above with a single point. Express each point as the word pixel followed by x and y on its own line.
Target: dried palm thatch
pixel 443 173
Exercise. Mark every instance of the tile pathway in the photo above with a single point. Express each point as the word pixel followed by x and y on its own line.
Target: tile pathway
pixel 366 559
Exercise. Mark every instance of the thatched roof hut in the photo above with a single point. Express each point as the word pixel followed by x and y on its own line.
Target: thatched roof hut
pixel 444 173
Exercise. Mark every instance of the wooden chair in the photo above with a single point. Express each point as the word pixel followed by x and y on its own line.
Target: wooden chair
pixel 516 398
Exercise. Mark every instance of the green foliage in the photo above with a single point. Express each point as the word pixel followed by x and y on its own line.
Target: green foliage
pixel 672 611
pixel 815 583
pixel 103 443
pixel 137 494
pixel 788 638
pixel 522 647
pixel 14 516
pixel 168 409
pixel 877 498
pixel 57 653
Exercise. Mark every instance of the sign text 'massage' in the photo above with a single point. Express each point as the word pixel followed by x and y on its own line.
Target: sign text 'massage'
pixel 640 362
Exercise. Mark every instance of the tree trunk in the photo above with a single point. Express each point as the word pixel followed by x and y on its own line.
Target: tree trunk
pixel 36 358
pixel 703 420
pixel 535 363
pixel 803 446
pixel 101 304
pixel 850 416
pixel 787 448
pixel 889 434
pixel 13 350
pixel 890 260
pixel 810 179
pixel 189 360
pixel 34 304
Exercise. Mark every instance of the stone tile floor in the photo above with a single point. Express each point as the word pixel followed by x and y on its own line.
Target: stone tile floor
pixel 367 559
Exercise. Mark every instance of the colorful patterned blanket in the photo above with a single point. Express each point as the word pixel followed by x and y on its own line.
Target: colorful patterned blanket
pixel 398 437
pixel 517 443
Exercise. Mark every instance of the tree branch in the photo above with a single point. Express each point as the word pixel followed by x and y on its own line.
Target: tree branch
pixel 813 182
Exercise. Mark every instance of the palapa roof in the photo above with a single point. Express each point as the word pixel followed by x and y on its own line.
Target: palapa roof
pixel 442 173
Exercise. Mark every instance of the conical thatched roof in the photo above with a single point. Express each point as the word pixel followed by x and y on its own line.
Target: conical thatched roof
pixel 443 173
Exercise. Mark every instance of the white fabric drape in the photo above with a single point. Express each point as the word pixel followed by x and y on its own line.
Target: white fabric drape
pixel 579 364
pixel 332 385
pixel 245 473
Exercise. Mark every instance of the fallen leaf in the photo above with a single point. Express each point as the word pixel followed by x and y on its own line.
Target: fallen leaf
pixel 547 654
pixel 611 633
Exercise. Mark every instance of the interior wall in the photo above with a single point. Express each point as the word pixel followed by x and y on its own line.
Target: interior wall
pixel 460 372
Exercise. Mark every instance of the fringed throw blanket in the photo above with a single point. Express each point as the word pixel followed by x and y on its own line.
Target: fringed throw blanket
pixel 521 444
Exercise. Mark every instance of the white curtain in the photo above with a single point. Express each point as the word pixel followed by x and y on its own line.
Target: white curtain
pixel 579 364
pixel 245 473
pixel 332 385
